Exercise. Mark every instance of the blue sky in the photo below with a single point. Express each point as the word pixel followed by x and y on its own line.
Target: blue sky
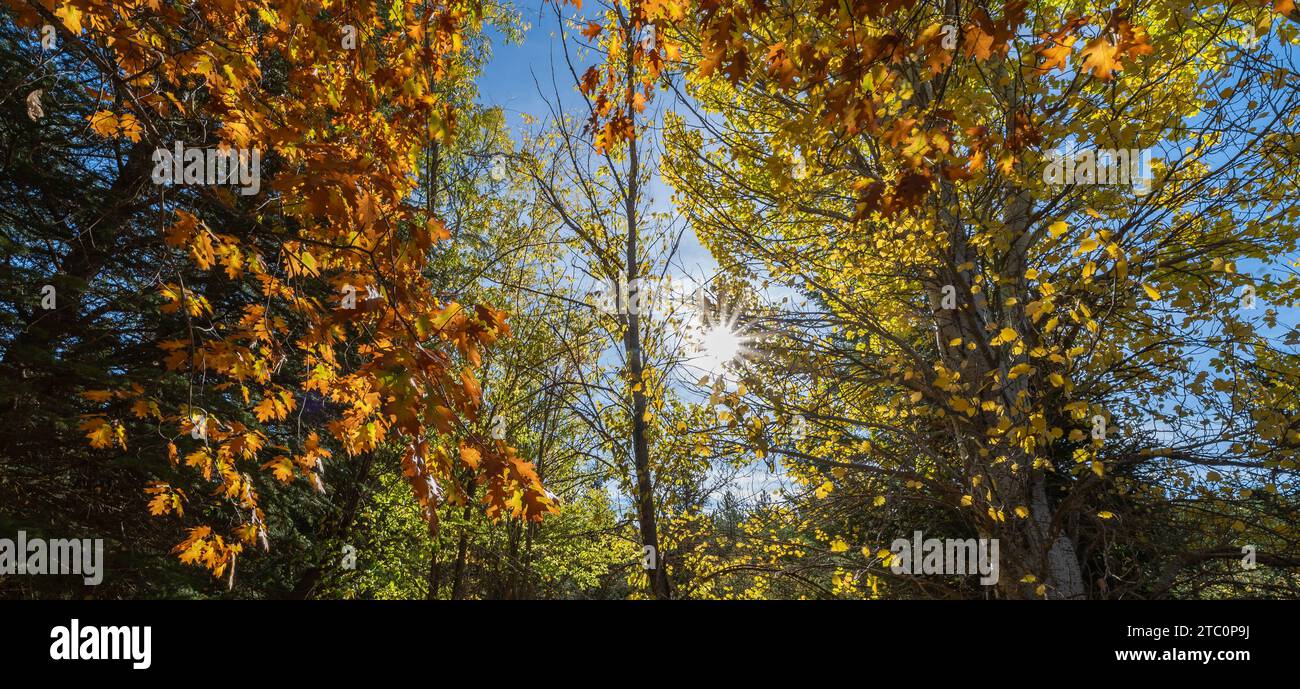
pixel 511 80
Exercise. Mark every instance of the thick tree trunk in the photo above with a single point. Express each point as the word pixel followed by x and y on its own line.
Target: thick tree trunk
pixel 1064 575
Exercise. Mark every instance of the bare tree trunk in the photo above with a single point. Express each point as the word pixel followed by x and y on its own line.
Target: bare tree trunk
pixel 431 164
pixel 458 572
pixel 434 576
pixel 632 344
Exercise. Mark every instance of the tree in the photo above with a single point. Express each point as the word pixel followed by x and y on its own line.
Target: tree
pixel 607 214
pixel 301 293
pixel 1029 355
pixel 1021 272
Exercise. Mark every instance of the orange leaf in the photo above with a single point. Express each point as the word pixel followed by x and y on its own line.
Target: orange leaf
pixel 1099 57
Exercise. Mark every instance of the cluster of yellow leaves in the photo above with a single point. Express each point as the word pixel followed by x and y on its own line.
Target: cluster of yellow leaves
pixel 103 434
pixel 210 550
pixel 851 72
pixel 166 499
pixel 108 125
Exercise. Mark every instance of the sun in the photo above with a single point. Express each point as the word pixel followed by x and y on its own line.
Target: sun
pixel 717 344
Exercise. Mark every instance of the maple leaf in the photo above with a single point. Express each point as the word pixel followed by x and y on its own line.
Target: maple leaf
pixel 98 432
pixel 780 66
pixel 202 460
pixel 1133 39
pixel 271 408
pixel 143 409
pixel 438 230
pixel 1055 51
pixel 1099 57
pixel 201 250
pixel 129 127
pixel 194 546
pixel 237 133
pixel 737 67
pixel 470 456
pixel 281 467
pixel 442 418
pixel 104 123
pixel 178 234
pixel 166 499
pixel 70 16
pixel 590 80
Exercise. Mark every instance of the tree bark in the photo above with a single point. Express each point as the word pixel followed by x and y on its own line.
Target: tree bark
pixel 632 345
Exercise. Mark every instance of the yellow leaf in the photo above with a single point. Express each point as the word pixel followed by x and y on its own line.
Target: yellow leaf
pixel 70 16
pixel 98 432
pixel 281 467
pixel 104 123
pixel 268 409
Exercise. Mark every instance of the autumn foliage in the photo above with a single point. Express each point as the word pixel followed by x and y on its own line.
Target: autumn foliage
pixel 338 130
pixel 1076 369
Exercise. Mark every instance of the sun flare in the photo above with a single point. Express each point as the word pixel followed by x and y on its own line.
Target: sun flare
pixel 719 344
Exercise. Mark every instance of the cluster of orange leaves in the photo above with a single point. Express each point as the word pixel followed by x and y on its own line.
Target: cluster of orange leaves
pixel 344 132
pixel 636 41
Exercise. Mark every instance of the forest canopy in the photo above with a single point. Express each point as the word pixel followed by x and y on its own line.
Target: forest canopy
pixel 743 299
